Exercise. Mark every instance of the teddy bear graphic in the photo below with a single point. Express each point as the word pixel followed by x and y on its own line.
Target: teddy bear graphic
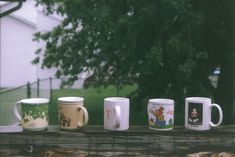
pixel 159 114
pixel 64 121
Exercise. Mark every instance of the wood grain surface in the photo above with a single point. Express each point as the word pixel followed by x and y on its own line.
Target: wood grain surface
pixel 137 141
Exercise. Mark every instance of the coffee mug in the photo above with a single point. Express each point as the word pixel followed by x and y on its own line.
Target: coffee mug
pixel 72 113
pixel 198 113
pixel 34 113
pixel 116 113
pixel 161 114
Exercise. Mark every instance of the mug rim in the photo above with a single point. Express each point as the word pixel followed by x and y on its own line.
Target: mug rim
pixel 116 99
pixel 70 99
pixel 33 101
pixel 162 101
pixel 198 99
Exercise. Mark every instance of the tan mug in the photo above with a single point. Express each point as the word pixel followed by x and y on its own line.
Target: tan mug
pixel 72 113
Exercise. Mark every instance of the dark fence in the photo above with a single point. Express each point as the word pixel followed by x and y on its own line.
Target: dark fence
pixel 9 96
pixel 41 88
pixel 37 89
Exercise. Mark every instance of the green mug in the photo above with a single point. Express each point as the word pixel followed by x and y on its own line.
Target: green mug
pixel 34 113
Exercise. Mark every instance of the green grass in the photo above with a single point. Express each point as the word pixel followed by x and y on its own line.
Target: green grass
pixel 7 101
pixel 94 99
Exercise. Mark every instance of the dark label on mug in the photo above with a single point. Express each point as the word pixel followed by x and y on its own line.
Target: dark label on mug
pixel 195 111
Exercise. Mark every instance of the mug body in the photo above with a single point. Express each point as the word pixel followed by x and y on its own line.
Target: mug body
pixel 116 113
pixel 34 114
pixel 69 113
pixel 161 114
pixel 197 113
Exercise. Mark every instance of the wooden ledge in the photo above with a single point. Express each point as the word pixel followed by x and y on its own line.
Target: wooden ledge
pixel 100 129
pixel 55 135
pixel 137 140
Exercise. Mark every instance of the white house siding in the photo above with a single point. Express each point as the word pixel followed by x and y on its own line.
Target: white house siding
pixel 17 52
pixel 17 48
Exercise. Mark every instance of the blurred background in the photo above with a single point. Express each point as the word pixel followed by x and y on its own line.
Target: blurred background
pixel 136 49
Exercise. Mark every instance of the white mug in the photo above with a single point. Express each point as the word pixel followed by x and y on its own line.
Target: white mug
pixel 198 113
pixel 32 113
pixel 161 114
pixel 116 113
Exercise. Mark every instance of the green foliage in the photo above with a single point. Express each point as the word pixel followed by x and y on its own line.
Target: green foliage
pixel 117 39
pixel 156 43
pixel 36 111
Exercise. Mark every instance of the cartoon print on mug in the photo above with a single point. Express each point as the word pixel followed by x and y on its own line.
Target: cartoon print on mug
pixel 152 118
pixel 64 121
pixel 72 113
pixel 198 113
pixel 160 116
pixel 195 114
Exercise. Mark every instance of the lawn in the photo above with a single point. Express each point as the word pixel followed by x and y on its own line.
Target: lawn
pixel 94 99
pixel 8 99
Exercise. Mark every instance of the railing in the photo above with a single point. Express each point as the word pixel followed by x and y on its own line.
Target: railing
pixel 138 141
pixel 7 99
pixel 40 88
pixel 29 87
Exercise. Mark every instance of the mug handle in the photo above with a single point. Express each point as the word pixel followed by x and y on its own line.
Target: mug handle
pixel 16 110
pixel 85 115
pixel 117 111
pixel 220 115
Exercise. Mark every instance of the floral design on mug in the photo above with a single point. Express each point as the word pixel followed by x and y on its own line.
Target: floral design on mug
pixel 35 111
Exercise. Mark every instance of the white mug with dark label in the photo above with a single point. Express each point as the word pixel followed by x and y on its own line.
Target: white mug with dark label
pixel 116 113
pixel 198 113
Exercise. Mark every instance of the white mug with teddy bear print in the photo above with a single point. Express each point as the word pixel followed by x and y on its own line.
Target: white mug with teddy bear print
pixel 161 114
pixel 198 113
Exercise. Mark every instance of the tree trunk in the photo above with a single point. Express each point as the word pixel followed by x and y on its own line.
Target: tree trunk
pixel 225 92
pixel 218 40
